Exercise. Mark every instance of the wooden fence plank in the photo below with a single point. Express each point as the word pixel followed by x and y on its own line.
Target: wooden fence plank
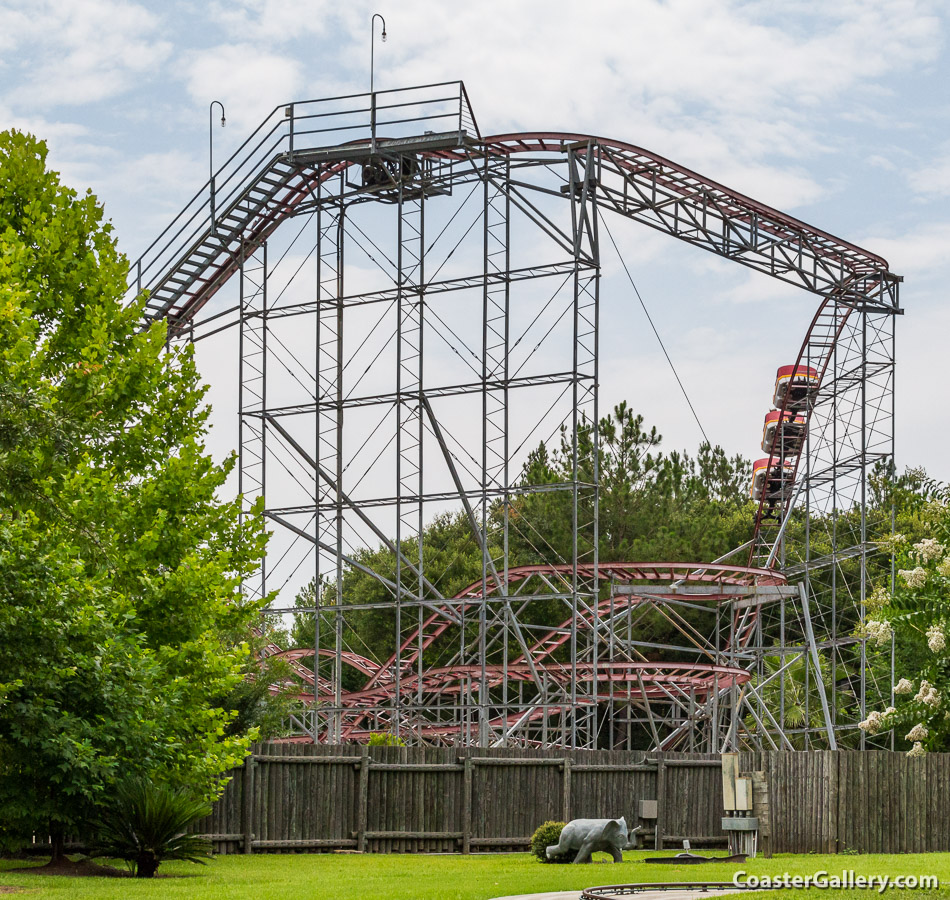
pixel 467 806
pixel 362 802
pixel 247 803
pixel 566 788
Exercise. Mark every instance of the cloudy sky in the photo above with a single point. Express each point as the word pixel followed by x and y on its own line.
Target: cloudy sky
pixel 835 112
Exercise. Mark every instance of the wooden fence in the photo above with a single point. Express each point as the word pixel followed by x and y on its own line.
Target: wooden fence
pixel 294 797
pixel 871 802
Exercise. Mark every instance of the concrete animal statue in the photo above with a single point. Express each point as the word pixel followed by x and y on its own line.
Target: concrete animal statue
pixel 587 835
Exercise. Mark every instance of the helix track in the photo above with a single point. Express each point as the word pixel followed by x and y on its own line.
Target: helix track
pixel 622 680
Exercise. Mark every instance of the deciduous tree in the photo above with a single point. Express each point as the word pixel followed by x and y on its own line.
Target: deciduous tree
pixel 121 616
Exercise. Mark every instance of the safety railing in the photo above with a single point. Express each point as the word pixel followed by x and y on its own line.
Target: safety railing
pixel 294 128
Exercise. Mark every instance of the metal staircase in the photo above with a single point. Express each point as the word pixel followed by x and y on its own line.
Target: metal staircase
pixel 267 178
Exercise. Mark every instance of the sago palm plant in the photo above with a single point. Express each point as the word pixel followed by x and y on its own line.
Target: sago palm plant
pixel 146 823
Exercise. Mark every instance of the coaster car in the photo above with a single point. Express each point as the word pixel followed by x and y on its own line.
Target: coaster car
pixel 792 430
pixel 771 479
pixel 800 383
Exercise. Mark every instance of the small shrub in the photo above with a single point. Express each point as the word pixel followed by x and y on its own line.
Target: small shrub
pixel 385 739
pixel 146 823
pixel 548 833
pixel 11 844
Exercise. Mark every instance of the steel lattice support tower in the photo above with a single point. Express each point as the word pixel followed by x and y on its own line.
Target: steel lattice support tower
pixel 417 309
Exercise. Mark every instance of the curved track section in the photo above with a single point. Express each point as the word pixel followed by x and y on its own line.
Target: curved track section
pixel 663 195
pixel 616 680
pixel 618 573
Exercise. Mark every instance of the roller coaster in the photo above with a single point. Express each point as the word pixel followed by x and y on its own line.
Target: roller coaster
pixel 409 309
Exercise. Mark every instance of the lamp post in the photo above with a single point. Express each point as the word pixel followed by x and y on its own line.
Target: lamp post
pixel 372 41
pixel 211 154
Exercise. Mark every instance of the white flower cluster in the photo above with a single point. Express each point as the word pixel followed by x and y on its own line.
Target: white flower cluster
pixel 913 578
pixel 933 511
pixel 928 549
pixel 927 694
pixel 918 733
pixel 878 598
pixel 936 639
pixel 916 750
pixel 903 686
pixel 873 723
pixel 893 543
pixel 878 632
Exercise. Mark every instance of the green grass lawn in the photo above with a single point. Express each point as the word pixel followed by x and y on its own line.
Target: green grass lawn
pixel 421 877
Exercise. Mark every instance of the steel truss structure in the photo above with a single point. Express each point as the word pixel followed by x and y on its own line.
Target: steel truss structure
pixel 416 310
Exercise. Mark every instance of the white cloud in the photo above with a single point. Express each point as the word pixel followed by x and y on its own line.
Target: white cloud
pixel 919 252
pixel 249 81
pixel 881 162
pixel 13 24
pixel 756 288
pixel 275 21
pixel 921 350
pixel 74 52
pixel 155 187
pixel 933 180
pixel 73 150
pixel 722 56
pixel 733 90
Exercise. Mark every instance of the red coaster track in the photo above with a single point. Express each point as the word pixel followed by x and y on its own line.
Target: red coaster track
pixel 624 680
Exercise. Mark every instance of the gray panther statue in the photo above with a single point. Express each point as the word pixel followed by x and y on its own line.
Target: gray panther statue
pixel 587 835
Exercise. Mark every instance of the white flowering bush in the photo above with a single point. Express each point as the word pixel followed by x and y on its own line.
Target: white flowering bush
pixel 893 544
pixel 914 611
pixel 931 698
pixel 873 723
pixel 928 549
pixel 878 599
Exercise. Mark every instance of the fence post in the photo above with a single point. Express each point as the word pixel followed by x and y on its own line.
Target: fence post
pixel 363 807
pixel 760 809
pixel 830 765
pixel 467 806
pixel 247 803
pixel 660 800
pixel 567 790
